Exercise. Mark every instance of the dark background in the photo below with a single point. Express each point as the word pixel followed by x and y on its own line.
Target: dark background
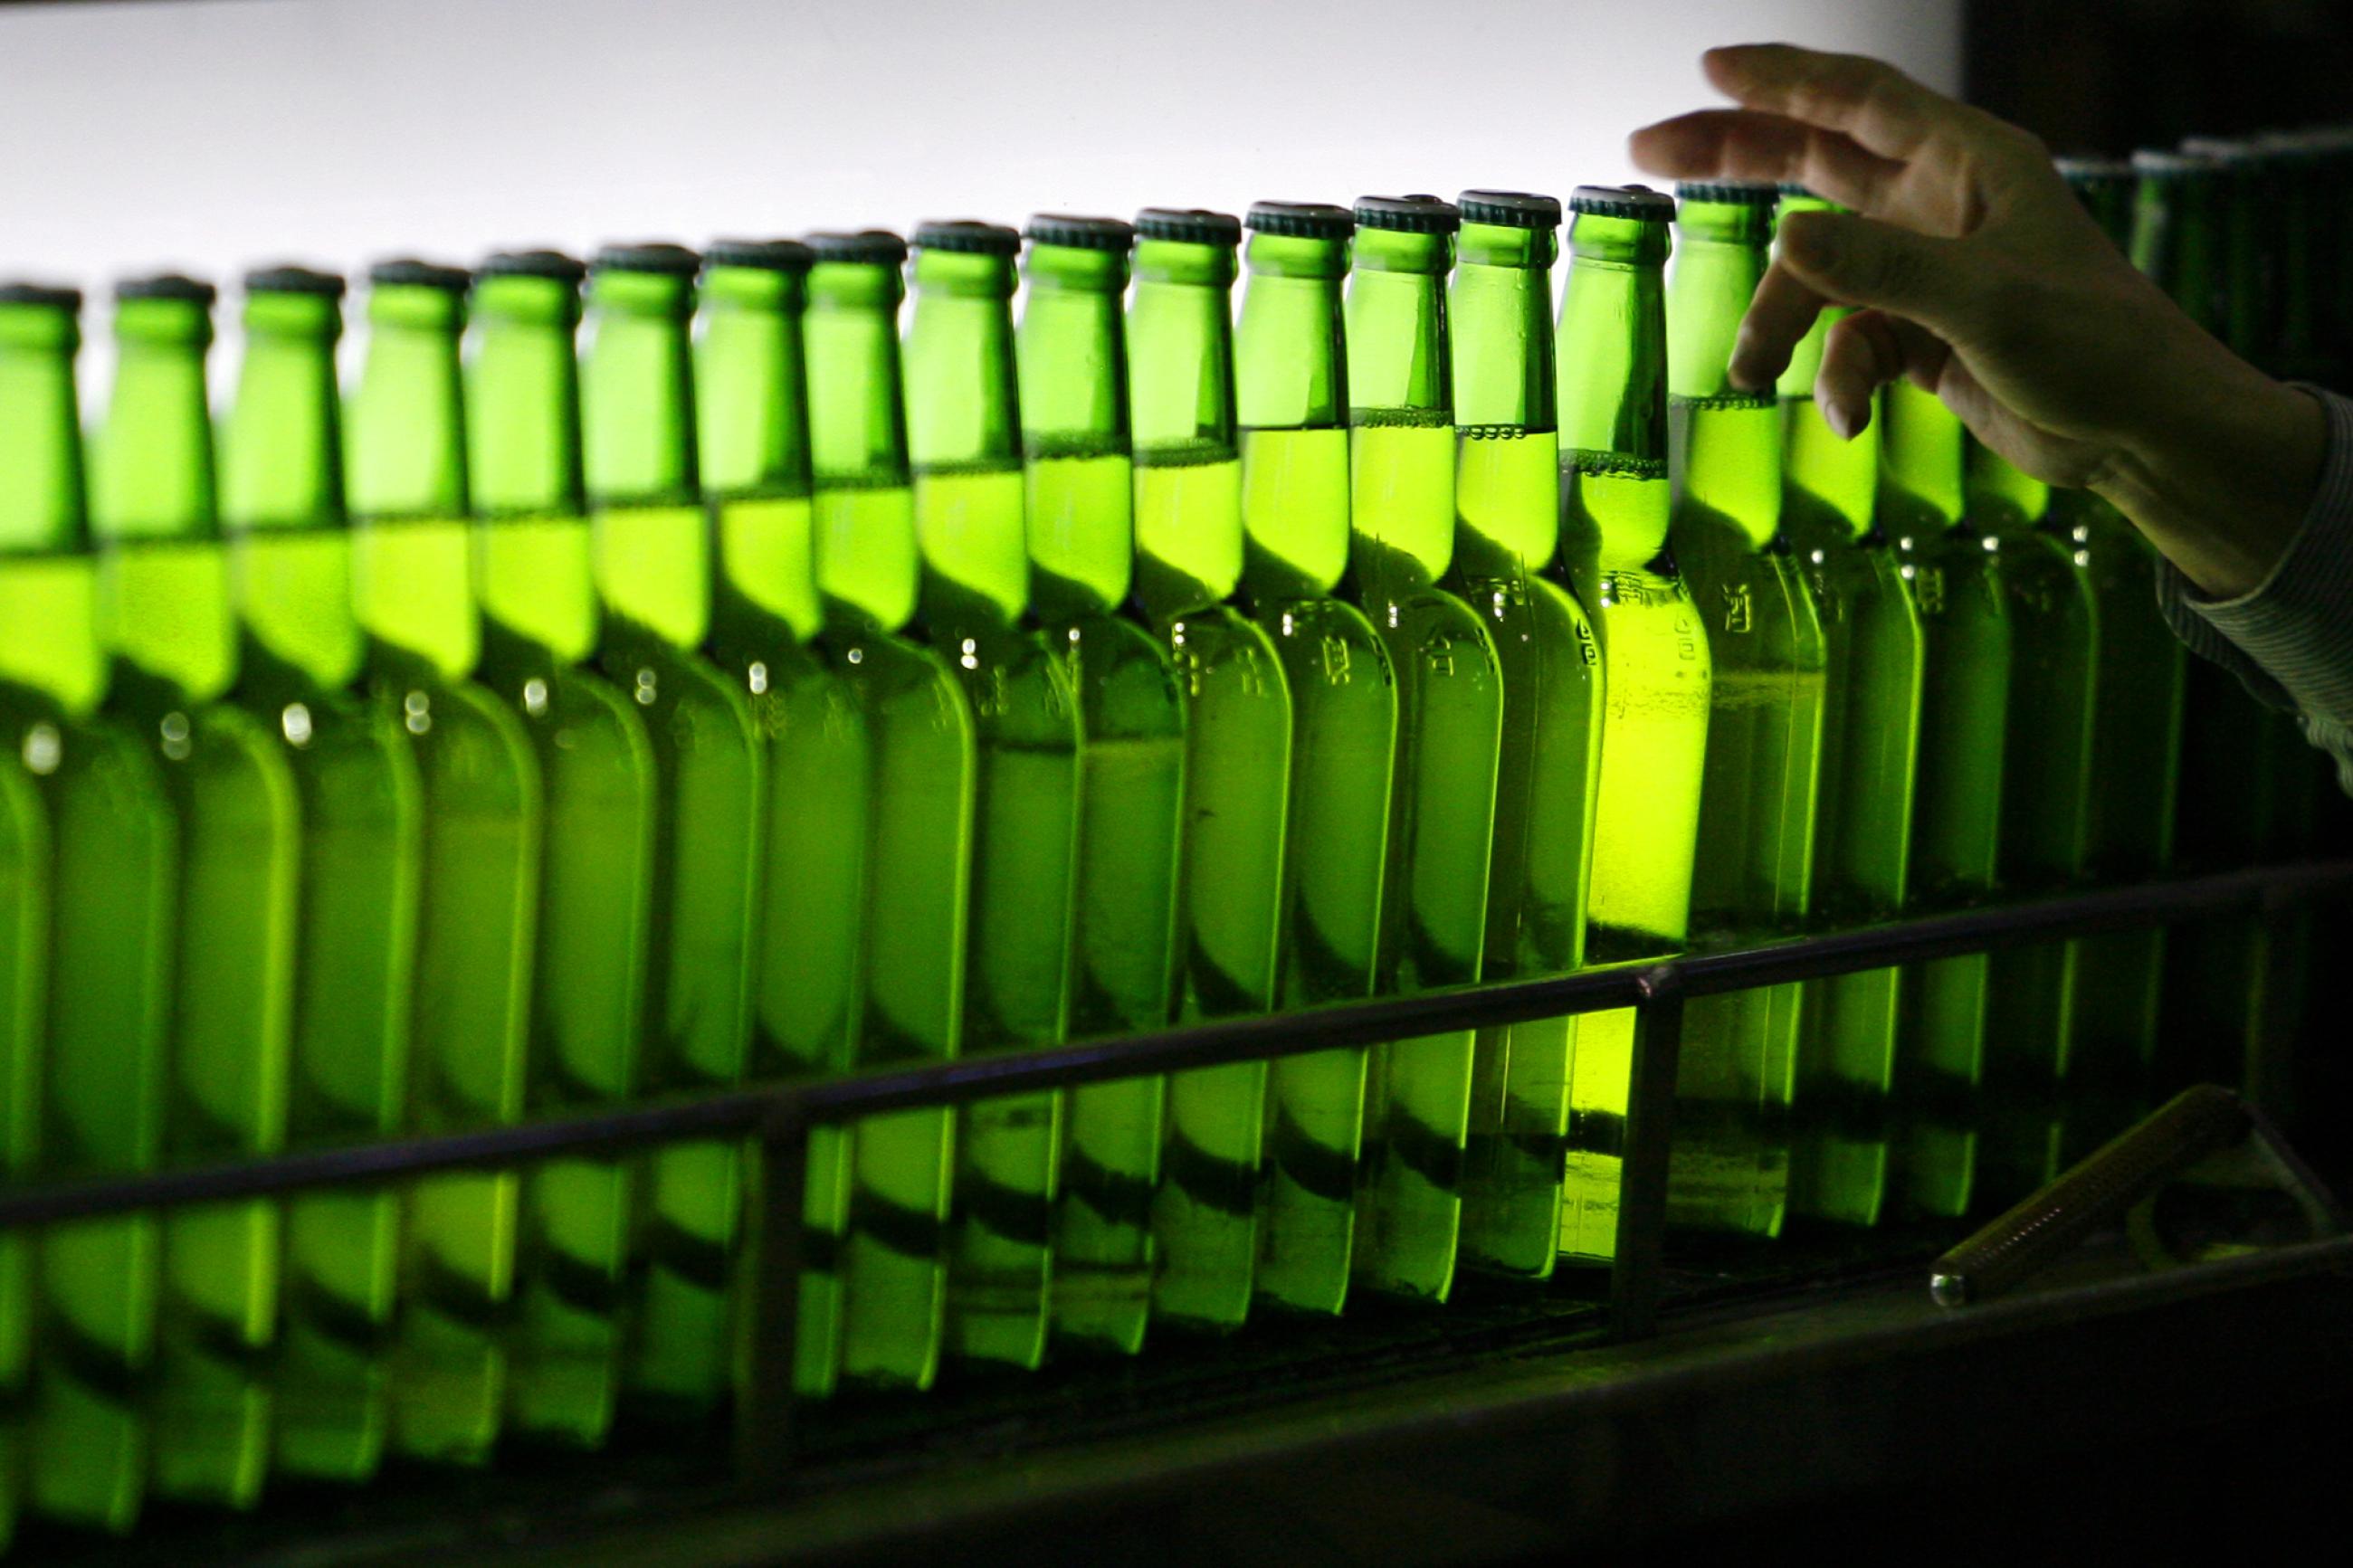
pixel 2108 76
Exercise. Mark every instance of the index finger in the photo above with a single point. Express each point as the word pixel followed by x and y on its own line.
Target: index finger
pixel 1882 108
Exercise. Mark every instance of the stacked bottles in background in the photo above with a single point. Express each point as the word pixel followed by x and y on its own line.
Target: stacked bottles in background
pixel 1753 869
pixel 655 676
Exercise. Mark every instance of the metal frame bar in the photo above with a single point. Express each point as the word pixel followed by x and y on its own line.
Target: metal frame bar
pixel 778 1118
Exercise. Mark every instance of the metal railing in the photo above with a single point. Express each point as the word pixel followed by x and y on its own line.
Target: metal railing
pixel 778 1117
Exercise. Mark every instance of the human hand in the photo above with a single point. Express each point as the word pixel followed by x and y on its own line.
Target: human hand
pixel 1975 272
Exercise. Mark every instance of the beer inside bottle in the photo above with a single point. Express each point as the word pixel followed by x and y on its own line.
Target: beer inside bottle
pixel 964 430
pixel 1292 404
pixel 1614 521
pixel 167 622
pixel 91 1304
pixel 872 1302
pixel 1958 793
pixel 1506 549
pixel 412 586
pixel 1753 871
pixel 1080 516
pixel 2136 721
pixel 1238 727
pixel 1449 705
pixel 651 546
pixel 362 815
pixel 1842 1146
pixel 753 422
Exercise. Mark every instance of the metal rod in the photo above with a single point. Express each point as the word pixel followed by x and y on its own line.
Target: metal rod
pixel 764 1397
pixel 744 1112
pixel 1638 1255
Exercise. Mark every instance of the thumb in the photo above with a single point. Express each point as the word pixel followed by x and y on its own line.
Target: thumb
pixel 1861 262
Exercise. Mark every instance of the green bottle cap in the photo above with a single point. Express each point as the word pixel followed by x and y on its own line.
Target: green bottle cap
pixel 759 255
pixel 1080 233
pixel 407 272
pixel 870 247
pixel 1729 193
pixel 1510 209
pixel 549 264
pixel 1407 214
pixel 658 257
pixel 967 235
pixel 294 281
pixel 168 285
pixel 56 297
pixel 1638 203
pixel 1190 225
pixel 1301 220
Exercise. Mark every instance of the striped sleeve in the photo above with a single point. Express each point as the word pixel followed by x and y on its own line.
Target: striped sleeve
pixel 2291 638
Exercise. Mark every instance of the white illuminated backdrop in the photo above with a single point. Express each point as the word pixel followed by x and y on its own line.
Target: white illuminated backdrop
pixel 208 134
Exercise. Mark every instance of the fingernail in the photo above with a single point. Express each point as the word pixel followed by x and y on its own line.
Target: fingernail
pixel 1840 422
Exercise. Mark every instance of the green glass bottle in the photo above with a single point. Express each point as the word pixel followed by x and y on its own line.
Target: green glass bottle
pixel 167 622
pixel 411 577
pixel 2201 224
pixel 651 544
pixel 113 861
pixel 753 421
pixel 1080 484
pixel 964 430
pixel 361 808
pixel 1238 727
pixel 1449 705
pixel 1957 821
pixel 1753 871
pixel 1506 549
pixel 1292 396
pixel 535 582
pixel 1839 1163
pixel 872 1303
pixel 1614 541
pixel 2137 718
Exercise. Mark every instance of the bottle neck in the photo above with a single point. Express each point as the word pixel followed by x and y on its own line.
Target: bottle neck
pixel 1731 447
pixel 748 385
pixel 281 446
pixel 1920 463
pixel 40 434
pixel 857 443
pixel 2001 498
pixel 1290 364
pixel 407 431
pixel 2177 241
pixel 1508 472
pixel 1613 386
pixel 522 400
pixel 1188 524
pixel 964 431
pixel 151 464
pixel 1402 413
pixel 1074 437
pixel 1833 478
pixel 636 388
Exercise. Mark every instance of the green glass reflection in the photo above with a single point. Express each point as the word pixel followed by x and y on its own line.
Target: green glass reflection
pixel 405 468
pixel 1238 728
pixel 112 844
pixel 1450 704
pixel 1753 871
pixel 1507 537
pixel 1842 1159
pixel 1292 403
pixel 1654 649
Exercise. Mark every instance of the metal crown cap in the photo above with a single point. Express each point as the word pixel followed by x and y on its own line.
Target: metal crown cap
pixel 869 246
pixel 410 273
pixel 1190 225
pixel 1301 220
pixel 552 265
pixel 1509 209
pixel 659 257
pixel 288 280
pixel 759 255
pixel 2164 163
pixel 1729 193
pixel 1638 203
pixel 1408 214
pixel 2091 171
pixel 967 235
pixel 1110 234
pixel 168 285
pixel 53 296
pixel 2232 150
